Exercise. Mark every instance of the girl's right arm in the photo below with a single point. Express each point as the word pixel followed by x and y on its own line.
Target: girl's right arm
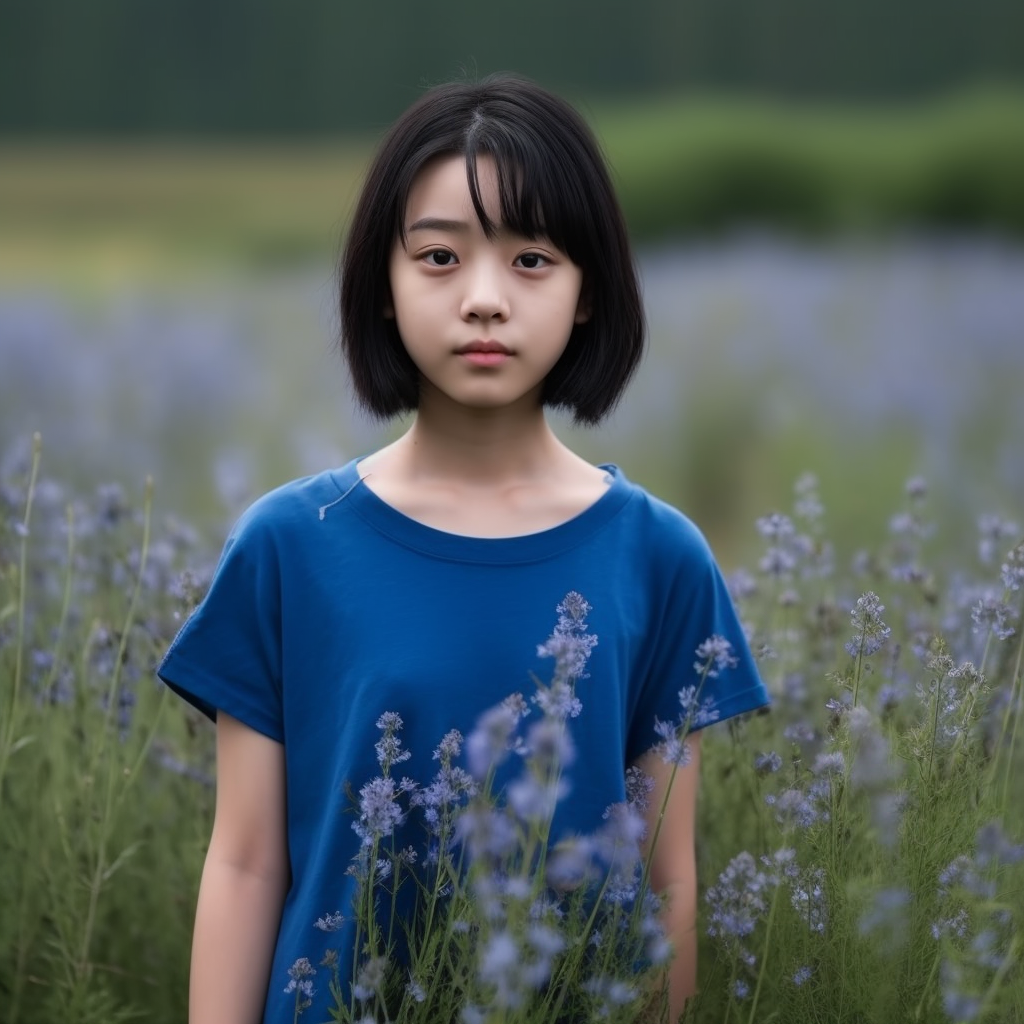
pixel 244 881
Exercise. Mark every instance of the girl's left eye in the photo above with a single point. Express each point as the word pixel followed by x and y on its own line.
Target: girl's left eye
pixel 440 258
pixel 532 261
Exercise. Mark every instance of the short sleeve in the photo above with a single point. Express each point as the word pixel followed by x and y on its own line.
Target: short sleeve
pixel 696 609
pixel 227 656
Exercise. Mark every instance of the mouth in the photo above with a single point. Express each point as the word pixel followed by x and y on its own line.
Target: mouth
pixel 484 353
pixel 485 347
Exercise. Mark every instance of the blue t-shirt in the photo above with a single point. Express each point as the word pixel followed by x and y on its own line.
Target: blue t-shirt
pixel 329 607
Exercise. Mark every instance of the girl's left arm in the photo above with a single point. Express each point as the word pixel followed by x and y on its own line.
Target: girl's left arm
pixel 674 864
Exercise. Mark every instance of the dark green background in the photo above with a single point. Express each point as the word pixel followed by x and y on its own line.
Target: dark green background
pixel 315 67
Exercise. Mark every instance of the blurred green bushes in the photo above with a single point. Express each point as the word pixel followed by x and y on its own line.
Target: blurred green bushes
pixel 682 166
pixel 685 167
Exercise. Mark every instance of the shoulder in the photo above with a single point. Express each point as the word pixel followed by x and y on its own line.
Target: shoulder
pixel 292 510
pixel 671 537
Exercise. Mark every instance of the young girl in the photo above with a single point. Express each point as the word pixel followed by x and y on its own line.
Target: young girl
pixel 486 275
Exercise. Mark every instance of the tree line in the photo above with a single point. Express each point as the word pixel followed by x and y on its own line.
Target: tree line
pixel 327 67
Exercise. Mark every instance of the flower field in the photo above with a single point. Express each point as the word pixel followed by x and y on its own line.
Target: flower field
pixel 861 848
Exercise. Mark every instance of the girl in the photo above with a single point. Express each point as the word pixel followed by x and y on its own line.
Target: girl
pixel 486 275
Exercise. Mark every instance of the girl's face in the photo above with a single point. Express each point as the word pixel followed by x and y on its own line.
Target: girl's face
pixel 483 320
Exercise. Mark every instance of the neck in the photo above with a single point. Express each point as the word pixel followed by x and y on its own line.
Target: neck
pixel 484 446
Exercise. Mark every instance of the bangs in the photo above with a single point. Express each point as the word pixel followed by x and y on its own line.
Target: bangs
pixel 537 194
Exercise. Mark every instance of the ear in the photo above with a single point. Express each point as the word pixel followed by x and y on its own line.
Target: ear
pixel 582 309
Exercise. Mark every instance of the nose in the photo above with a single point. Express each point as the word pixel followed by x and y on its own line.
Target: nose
pixel 485 298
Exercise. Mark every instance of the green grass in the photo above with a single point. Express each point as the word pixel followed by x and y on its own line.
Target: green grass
pixel 105 801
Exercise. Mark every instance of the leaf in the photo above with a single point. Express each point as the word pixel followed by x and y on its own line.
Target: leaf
pixel 23 742
pixel 122 857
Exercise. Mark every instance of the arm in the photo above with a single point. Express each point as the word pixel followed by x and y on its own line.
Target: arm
pixel 244 881
pixel 674 866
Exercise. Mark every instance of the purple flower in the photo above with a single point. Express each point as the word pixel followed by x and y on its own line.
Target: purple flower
pixel 738 899
pixel 570 644
pixel 379 813
pixel 767 764
pixel 673 748
pixel 389 746
pixel 488 745
pixel 808 900
pixel 300 974
pixel 872 632
pixel 639 787
pixel 329 922
pixel 991 612
pixel 1012 570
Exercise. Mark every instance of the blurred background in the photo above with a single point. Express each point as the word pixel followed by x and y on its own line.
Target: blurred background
pixel 827 202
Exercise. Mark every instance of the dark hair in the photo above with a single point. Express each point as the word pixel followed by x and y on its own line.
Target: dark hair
pixel 553 182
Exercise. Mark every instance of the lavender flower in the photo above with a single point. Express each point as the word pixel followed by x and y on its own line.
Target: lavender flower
pixel 714 655
pixel 673 749
pixel 389 746
pixel 992 533
pixel 329 922
pixel 500 964
pixel 570 644
pixel 738 899
pixel 775 527
pixel 808 900
pixel 379 812
pixel 570 864
pixel 794 807
pixel 450 788
pixel 487 832
pixel 535 799
pixel 489 744
pixel 991 612
pixel 301 974
pixel 617 842
pixel 558 701
pixel 766 764
pixel 887 914
pixel 872 632
pixel 639 787
pixel 370 978
pixel 1012 570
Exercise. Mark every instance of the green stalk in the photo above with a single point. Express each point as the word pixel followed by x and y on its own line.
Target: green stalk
pixel 997 978
pixel 927 985
pixel 7 742
pixel 1018 681
pixel 65 604
pixel 100 872
pixel 764 958
pixel 935 727
pixel 23 948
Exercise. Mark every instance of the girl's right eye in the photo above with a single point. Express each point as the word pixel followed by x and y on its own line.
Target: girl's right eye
pixel 440 258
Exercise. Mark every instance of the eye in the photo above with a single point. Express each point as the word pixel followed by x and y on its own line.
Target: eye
pixel 439 258
pixel 532 261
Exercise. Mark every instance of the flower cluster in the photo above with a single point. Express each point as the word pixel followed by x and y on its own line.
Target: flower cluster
pixel 505 920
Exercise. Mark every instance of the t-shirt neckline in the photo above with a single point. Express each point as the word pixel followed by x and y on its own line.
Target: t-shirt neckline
pixel 528 547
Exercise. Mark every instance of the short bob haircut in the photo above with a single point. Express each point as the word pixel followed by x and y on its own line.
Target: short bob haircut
pixel 553 183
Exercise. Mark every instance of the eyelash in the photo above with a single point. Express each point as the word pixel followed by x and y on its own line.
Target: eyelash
pixel 545 261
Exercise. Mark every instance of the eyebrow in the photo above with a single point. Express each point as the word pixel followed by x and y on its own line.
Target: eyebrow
pixel 438 224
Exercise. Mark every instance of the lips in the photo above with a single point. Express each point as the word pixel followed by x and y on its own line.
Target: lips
pixel 487 347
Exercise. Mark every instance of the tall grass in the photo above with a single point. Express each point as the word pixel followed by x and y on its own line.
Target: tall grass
pixel 101 842
pixel 861 854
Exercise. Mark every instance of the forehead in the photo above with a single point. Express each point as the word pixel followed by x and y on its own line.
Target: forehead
pixel 441 189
